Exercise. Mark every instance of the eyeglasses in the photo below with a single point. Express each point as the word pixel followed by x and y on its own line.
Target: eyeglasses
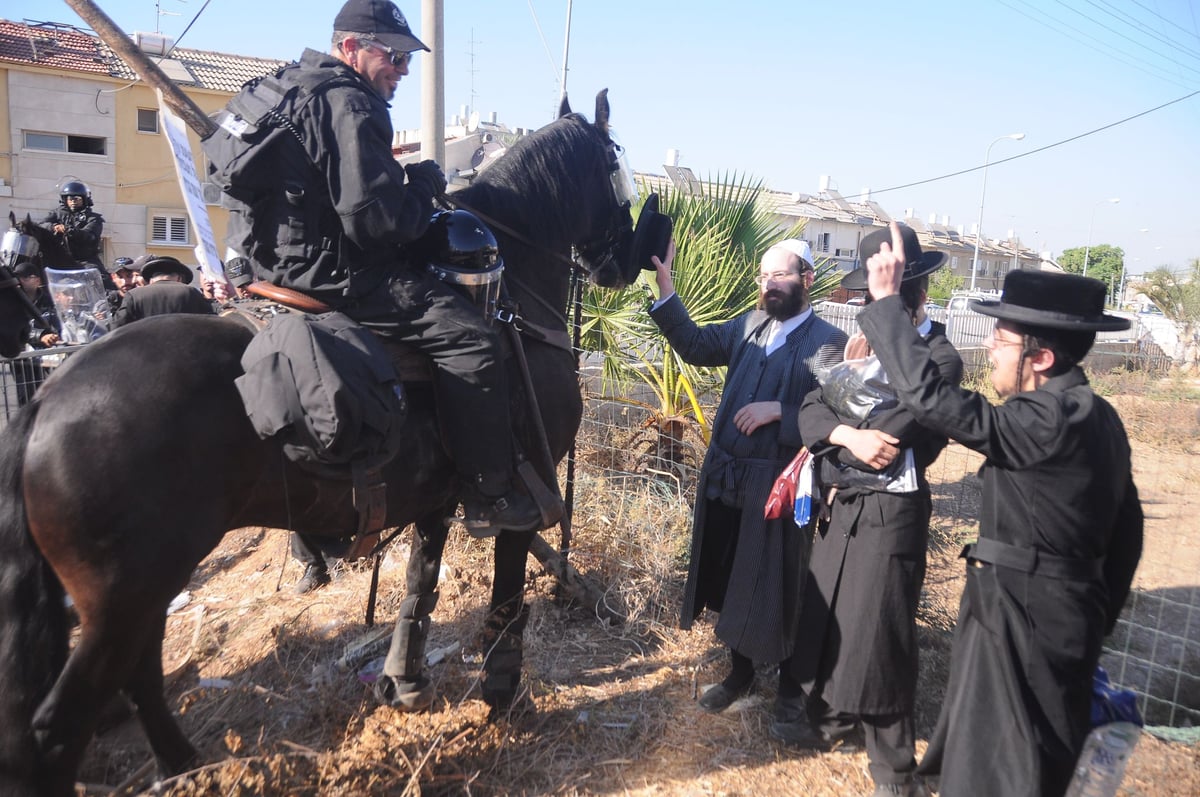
pixel 397 58
pixel 776 276
pixel 993 342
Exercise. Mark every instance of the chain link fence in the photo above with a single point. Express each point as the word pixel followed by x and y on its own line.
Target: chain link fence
pixel 634 483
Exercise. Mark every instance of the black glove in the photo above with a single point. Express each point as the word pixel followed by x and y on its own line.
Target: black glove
pixel 429 174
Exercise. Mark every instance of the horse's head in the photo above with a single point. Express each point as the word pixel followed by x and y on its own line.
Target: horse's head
pixel 565 186
pixel 16 309
pixel 605 252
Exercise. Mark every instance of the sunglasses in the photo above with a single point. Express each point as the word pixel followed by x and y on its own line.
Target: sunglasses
pixel 397 58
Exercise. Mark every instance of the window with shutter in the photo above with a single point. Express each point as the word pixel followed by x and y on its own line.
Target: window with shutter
pixel 169 229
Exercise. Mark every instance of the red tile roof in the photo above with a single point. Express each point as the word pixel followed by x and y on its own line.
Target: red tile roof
pixel 47 44
pixel 67 47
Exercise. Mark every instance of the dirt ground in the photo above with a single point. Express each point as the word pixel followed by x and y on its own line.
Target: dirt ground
pixel 253 672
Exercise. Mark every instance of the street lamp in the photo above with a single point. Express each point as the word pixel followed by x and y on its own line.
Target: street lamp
pixel 987 156
pixel 1092 224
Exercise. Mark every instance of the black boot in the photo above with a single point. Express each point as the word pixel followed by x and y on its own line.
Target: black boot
pixel 315 577
pixel 487 513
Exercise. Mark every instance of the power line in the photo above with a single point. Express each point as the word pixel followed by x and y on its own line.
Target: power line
pixel 1121 35
pixel 1096 45
pixel 1129 19
pixel 1039 149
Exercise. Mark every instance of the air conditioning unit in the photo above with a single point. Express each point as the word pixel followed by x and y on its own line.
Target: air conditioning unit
pixel 212 193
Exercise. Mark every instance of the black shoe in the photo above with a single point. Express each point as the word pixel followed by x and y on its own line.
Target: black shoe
pixel 315 577
pixel 719 697
pixel 800 732
pixel 487 517
pixel 790 709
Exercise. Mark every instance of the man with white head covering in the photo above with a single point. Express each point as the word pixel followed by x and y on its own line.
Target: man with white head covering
pixel 750 569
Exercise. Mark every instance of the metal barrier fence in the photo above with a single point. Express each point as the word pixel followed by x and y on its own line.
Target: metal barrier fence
pixel 21 376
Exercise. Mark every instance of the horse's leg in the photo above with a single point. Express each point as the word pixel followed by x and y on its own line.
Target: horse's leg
pixel 173 750
pixel 66 720
pixel 403 682
pixel 507 615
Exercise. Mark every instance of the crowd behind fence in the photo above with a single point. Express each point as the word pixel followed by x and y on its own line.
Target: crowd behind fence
pixel 1156 649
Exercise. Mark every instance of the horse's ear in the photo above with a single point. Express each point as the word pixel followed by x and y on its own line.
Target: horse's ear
pixel 564 107
pixel 602 110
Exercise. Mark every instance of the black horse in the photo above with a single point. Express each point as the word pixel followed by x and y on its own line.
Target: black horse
pixel 154 403
pixel 52 248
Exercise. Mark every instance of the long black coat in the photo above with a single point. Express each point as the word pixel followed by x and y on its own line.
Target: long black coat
pixel 762 594
pixel 1058 489
pixel 85 228
pixel 160 298
pixel 856 646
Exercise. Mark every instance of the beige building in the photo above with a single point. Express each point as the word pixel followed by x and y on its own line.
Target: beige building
pixel 834 226
pixel 70 107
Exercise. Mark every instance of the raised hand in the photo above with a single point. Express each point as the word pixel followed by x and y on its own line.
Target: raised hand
pixel 885 268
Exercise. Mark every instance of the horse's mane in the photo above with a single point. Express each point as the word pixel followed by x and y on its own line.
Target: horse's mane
pixel 537 182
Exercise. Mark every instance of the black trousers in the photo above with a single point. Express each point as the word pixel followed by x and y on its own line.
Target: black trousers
pixel 317 551
pixel 891 739
pixel 472 391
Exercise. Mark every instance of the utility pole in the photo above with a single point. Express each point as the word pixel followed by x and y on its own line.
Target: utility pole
pixel 191 113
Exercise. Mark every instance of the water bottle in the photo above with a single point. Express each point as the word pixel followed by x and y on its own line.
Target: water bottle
pixel 1102 762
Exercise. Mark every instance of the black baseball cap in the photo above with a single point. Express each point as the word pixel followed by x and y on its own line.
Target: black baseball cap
pixel 382 20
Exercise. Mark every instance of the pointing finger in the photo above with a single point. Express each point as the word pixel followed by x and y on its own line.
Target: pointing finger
pixel 897 242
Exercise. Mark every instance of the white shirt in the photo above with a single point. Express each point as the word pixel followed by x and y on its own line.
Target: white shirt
pixel 777 331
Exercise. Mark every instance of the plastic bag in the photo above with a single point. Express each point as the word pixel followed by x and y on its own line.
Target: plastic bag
pixel 1111 703
pixel 792 489
pixel 856 389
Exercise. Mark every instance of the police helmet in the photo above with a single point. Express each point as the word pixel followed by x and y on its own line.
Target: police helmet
pixel 75 188
pixel 461 251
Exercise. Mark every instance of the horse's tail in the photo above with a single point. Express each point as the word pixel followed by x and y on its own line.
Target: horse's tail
pixel 33 618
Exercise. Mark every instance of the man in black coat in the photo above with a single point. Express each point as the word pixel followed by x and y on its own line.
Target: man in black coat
pixel 78 225
pixel 1060 533
pixel 166 291
pixel 856 656
pixel 749 569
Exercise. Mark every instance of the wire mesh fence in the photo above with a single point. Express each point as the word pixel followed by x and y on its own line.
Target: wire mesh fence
pixel 635 475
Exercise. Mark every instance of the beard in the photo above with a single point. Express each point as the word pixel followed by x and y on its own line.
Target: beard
pixel 782 304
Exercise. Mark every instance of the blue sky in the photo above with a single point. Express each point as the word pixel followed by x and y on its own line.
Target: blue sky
pixel 872 94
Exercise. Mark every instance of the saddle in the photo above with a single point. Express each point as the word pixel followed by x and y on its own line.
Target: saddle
pixel 411 365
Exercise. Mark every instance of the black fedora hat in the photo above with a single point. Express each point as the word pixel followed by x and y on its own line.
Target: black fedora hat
pixel 651 237
pixel 153 265
pixel 916 262
pixel 1053 301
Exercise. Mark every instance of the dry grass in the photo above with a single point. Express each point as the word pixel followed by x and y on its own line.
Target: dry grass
pixel 613 708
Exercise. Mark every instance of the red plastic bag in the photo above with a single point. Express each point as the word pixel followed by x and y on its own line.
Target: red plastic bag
pixel 783 492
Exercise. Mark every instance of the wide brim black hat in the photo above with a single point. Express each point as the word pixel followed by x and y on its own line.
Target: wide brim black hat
pixel 1052 300
pixel 164 264
pixel 651 237
pixel 916 262
pixel 382 20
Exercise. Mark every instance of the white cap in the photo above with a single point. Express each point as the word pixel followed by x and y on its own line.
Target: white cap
pixel 799 248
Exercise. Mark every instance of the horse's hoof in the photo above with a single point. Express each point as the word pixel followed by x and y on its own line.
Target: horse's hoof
pixel 408 696
pixel 515 708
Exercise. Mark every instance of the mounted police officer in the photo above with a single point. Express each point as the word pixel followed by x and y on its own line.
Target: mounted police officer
pixel 319 204
pixel 80 227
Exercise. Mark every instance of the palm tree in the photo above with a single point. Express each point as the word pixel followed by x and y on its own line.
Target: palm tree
pixel 720 234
